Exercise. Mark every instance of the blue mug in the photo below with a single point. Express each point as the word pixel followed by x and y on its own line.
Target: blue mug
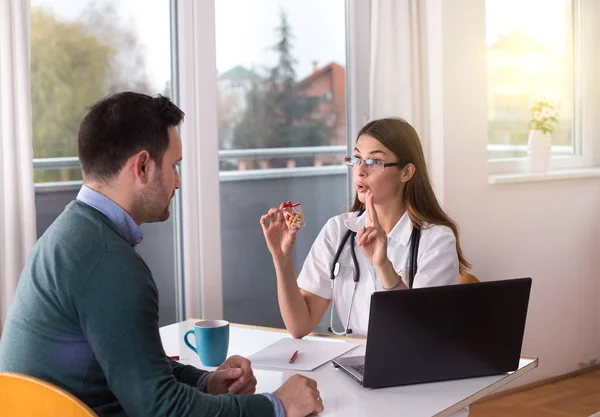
pixel 212 341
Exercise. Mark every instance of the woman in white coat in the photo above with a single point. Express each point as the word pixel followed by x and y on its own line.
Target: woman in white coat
pixel 393 196
pixel 394 190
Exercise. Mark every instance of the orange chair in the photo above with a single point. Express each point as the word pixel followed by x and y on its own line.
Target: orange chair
pixel 25 396
pixel 466 278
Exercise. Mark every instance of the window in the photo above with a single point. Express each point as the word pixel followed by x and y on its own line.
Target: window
pixel 530 56
pixel 81 51
pixel 282 136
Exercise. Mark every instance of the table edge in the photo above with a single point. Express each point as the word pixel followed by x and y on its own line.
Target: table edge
pixel 491 388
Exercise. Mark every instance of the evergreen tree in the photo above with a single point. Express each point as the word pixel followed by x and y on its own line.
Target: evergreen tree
pixel 276 116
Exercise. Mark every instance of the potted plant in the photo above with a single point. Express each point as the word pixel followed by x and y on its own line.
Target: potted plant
pixel 539 145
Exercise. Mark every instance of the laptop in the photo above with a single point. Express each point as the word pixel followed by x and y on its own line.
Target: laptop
pixel 442 333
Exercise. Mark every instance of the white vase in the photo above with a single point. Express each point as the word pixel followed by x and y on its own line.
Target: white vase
pixel 539 148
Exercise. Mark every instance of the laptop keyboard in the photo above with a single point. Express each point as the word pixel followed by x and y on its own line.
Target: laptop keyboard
pixel 359 368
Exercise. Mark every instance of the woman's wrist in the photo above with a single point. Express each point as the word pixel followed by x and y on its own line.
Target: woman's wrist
pixel 388 276
pixel 282 260
pixel 384 267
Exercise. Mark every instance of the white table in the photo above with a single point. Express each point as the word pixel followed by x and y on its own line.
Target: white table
pixel 341 395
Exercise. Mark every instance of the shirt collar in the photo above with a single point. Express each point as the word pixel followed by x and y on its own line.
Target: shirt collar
pixel 401 231
pixel 124 223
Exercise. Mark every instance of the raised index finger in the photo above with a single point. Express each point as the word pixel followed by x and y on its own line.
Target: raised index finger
pixel 372 214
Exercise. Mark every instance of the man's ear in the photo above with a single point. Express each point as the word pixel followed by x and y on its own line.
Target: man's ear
pixel 141 165
pixel 407 172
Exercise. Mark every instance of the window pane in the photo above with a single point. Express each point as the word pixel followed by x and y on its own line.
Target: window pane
pixel 529 57
pixel 82 50
pixel 281 84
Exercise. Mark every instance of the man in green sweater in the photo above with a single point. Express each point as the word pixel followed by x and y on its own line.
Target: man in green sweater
pixel 85 314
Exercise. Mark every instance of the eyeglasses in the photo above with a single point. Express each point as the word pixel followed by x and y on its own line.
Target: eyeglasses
pixel 373 165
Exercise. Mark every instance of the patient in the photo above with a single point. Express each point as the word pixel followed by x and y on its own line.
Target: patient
pixel 85 314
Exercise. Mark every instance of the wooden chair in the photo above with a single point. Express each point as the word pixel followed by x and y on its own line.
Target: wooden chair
pixel 25 396
pixel 466 278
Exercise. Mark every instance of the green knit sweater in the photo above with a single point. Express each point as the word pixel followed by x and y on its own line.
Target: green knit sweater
pixel 85 318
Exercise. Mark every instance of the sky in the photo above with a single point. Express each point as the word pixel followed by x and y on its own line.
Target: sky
pixel 244 37
pixel 245 30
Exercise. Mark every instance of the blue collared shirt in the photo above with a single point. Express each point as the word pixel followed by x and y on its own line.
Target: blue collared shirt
pixel 123 222
pixel 131 232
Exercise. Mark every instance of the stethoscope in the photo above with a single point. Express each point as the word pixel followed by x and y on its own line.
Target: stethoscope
pixel 415 237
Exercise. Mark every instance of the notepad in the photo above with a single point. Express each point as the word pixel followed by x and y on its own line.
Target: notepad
pixel 311 354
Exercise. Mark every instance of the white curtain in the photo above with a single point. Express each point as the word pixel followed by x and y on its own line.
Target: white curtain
pixel 17 205
pixel 396 64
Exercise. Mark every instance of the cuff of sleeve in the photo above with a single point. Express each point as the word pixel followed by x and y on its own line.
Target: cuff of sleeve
pixel 277 405
pixel 323 292
pixel 202 381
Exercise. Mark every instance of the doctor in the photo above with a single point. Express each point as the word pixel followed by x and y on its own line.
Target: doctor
pixel 394 203
pixel 394 190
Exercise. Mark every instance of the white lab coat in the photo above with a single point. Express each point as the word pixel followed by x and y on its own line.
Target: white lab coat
pixel 437 262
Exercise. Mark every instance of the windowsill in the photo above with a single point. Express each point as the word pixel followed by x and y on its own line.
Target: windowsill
pixel 563 174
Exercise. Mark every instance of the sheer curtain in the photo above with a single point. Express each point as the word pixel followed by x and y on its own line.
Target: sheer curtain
pixel 17 204
pixel 397 63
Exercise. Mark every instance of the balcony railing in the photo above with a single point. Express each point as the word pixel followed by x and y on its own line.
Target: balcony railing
pixel 224 155
pixel 265 153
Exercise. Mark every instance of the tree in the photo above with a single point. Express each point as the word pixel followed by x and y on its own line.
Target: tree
pixel 73 64
pixel 276 115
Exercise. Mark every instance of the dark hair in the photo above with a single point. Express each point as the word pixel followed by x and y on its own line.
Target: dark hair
pixel 121 125
pixel 401 138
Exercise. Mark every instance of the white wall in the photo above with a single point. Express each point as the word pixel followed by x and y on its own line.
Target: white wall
pixel 549 230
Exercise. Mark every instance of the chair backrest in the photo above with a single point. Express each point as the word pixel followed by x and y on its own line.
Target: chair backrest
pixel 25 396
pixel 466 278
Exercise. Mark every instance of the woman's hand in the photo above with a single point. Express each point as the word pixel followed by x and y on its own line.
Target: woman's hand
pixel 372 240
pixel 280 239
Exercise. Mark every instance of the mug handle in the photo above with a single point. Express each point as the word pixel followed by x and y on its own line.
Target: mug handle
pixel 185 339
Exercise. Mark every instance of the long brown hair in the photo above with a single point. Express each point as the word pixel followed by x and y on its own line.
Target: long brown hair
pixel 419 199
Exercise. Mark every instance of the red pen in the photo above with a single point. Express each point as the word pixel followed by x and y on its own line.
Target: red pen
pixel 174 357
pixel 294 356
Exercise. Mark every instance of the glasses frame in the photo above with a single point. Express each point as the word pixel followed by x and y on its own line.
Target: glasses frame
pixel 352 162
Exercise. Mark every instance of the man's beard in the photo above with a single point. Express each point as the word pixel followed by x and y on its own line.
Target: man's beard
pixel 155 201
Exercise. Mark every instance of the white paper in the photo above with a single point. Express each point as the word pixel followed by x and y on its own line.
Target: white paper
pixel 311 354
